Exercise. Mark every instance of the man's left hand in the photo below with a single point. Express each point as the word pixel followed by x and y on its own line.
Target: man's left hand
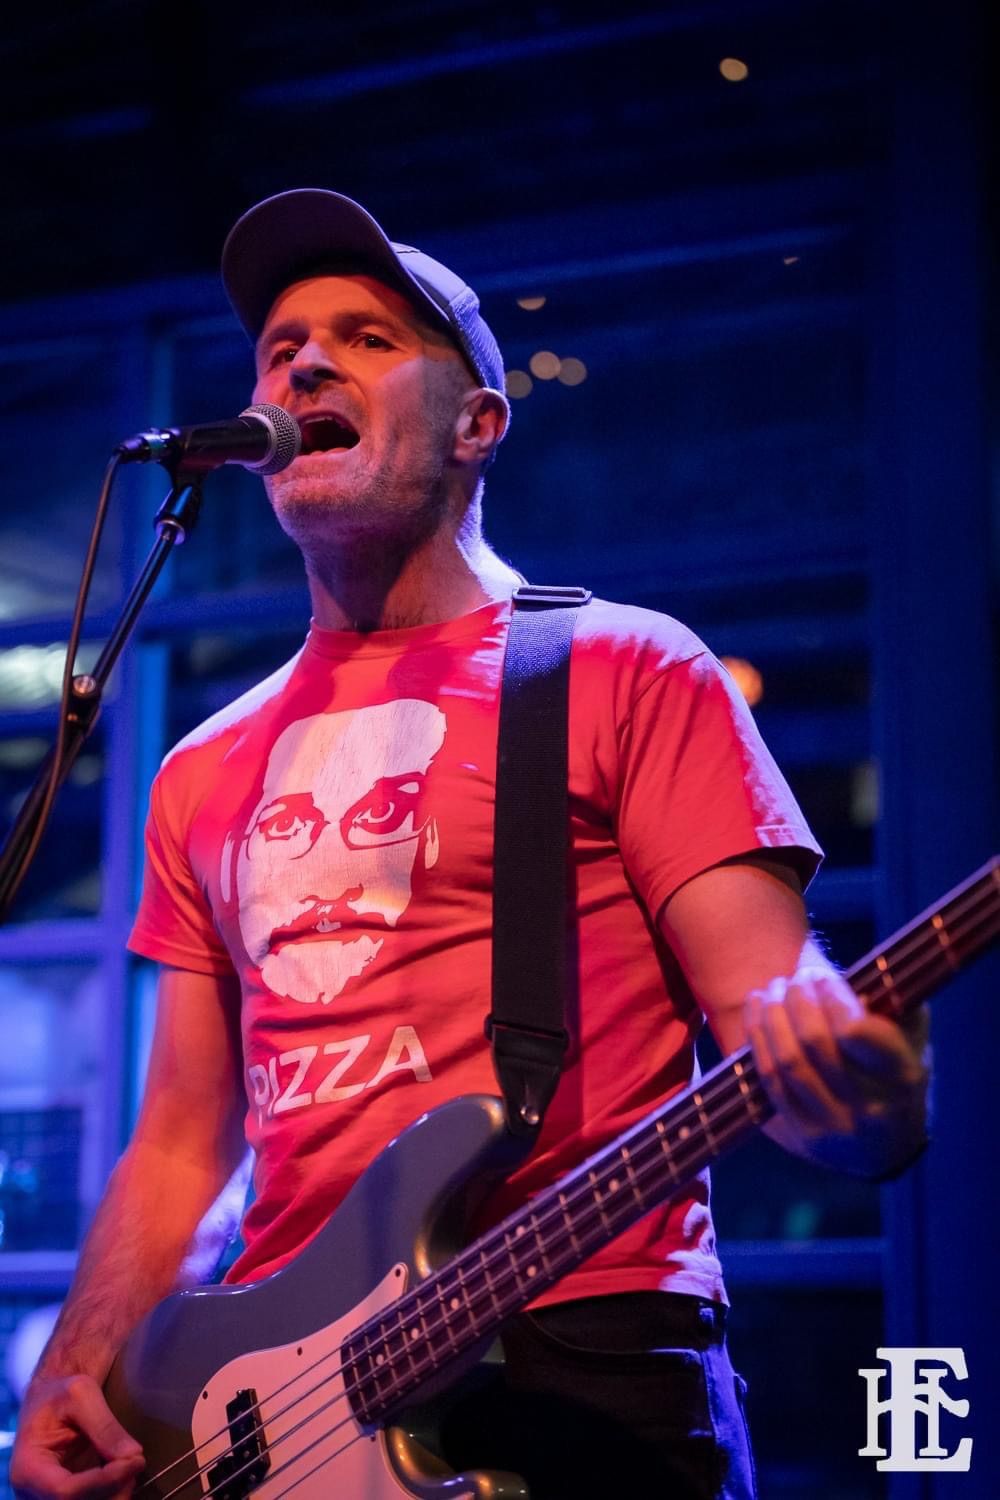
pixel 849 1088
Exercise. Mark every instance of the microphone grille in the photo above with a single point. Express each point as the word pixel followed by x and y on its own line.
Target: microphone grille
pixel 286 436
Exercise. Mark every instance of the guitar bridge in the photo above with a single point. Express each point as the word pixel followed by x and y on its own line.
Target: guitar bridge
pixel 248 1460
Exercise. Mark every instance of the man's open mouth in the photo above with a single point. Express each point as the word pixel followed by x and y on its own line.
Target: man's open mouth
pixel 327 434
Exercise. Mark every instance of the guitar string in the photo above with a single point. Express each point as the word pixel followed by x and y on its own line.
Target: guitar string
pixel 363 1338
pixel 397 1330
pixel 643 1172
pixel 936 952
pixel 982 886
pixel 935 955
pixel 342 1395
pixel 349 1388
pixel 656 1164
pixel 983 889
pixel 584 1189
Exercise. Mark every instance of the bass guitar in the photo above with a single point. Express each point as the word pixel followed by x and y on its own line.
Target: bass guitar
pixel 318 1382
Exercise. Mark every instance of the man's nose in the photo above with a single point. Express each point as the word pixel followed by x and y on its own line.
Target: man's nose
pixel 312 366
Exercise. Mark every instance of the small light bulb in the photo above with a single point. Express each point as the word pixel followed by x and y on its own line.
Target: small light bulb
pixel 572 371
pixel 746 677
pixel 519 383
pixel 733 69
pixel 545 365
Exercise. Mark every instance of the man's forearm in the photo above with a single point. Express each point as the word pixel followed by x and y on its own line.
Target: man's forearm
pixel 130 1258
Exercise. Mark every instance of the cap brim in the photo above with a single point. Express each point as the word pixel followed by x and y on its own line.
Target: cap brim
pixel 285 237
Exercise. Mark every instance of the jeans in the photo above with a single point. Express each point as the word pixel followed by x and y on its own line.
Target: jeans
pixel 612 1397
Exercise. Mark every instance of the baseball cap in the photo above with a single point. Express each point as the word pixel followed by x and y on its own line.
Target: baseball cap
pixel 293 233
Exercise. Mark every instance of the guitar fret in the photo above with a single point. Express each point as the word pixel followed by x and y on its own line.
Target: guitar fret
pixel 703 1117
pixel 614 1189
pixel 415 1328
pixel 746 1092
pixel 407 1333
pixel 917 958
pixel 469 1309
pixel 568 1217
pixel 531 1270
pixel 595 1188
pixel 377 1377
pixel 633 1183
pixel 590 1206
pixel 434 1303
pixel 514 1252
pixel 944 938
pixel 523 1242
pixel 664 1144
pixel 389 1356
pixel 489 1281
pixel 390 1338
pixel 379 1370
pixel 454 1303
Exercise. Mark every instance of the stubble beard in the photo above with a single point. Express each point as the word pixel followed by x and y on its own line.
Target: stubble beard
pixel 326 515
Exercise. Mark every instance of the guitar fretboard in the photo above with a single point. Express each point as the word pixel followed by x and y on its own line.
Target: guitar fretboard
pixel 464 1303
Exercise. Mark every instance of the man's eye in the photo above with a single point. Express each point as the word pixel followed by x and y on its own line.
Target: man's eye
pixel 375 341
pixel 284 355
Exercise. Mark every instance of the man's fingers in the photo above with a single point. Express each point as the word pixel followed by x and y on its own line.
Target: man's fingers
pixel 68 1419
pixel 91 1413
pixel 41 1474
pixel 848 1087
pixel 787 1064
pixel 113 1481
pixel 880 1051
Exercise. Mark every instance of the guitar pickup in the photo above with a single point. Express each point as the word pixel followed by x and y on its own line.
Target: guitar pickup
pixel 247 1462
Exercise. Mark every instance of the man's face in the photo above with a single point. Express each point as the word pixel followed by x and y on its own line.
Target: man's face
pixel 324 867
pixel 377 393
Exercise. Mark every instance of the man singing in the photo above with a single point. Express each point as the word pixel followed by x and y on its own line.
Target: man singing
pixel 318 891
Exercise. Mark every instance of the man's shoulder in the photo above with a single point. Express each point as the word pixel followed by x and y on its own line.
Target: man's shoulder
pixel 216 736
pixel 628 636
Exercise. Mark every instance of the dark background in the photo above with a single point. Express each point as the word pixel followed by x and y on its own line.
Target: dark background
pixel 783 291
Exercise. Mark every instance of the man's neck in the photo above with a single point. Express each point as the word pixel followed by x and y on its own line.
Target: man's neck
pixel 370 585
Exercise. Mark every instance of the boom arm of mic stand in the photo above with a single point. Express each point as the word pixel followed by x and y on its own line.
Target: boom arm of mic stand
pixel 174 521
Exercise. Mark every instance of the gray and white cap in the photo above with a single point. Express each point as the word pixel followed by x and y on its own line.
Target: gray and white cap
pixel 293 234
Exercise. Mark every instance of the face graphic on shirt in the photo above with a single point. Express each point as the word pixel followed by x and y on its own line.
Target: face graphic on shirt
pixel 325 864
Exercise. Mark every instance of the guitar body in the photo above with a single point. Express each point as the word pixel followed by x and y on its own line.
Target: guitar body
pixel 321 1380
pixel 279 1339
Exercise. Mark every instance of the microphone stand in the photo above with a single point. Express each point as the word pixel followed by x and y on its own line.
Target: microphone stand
pixel 174 521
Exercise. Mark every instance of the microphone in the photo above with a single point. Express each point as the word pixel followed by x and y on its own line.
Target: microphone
pixel 264 438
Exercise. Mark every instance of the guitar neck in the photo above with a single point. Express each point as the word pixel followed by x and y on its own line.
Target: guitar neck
pixel 469 1298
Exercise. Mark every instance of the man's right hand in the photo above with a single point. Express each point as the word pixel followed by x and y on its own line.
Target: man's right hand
pixel 187 1142
pixel 70 1446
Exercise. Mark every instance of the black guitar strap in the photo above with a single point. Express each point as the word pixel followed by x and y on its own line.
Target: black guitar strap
pixel 527 1022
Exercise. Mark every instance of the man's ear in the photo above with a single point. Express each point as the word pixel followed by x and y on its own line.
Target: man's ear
pixel 481 424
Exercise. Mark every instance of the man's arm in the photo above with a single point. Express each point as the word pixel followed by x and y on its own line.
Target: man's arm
pixel 849 1088
pixel 187 1142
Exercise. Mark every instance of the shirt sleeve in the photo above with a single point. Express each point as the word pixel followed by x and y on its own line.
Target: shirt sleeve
pixel 174 922
pixel 697 785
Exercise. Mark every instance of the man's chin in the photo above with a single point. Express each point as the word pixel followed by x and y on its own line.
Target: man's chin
pixel 315 972
pixel 311 482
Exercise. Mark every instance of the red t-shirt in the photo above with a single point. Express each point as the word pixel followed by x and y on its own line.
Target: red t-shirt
pixel 329 838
